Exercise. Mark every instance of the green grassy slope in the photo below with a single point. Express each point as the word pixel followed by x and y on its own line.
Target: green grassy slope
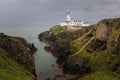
pixel 104 64
pixel 93 53
pixel 102 76
pixel 56 29
pixel 80 43
pixel 11 70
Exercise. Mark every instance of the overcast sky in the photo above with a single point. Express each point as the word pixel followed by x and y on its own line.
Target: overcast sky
pixel 53 11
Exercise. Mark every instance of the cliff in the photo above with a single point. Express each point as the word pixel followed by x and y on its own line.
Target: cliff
pixel 16 60
pixel 90 53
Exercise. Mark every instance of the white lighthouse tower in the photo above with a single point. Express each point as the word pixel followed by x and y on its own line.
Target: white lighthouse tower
pixel 70 23
pixel 68 17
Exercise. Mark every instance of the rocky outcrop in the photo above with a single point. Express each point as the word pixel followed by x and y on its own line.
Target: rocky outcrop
pixel 19 50
pixel 116 49
pixel 43 35
pixel 65 77
pixel 90 50
pixel 103 31
pixel 59 44
pixel 104 28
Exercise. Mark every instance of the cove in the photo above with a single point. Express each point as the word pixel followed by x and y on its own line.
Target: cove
pixel 44 61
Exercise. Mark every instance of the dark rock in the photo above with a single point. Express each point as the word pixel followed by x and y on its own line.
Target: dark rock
pixel 60 45
pixel 117 47
pixel 53 65
pixel 104 28
pixel 65 77
pixel 97 45
pixel 47 48
pixel 76 69
pixel 43 35
pixel 19 50
pixel 33 49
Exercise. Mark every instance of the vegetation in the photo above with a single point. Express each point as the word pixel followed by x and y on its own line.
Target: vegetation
pixel 99 55
pixel 16 60
pixel 93 53
pixel 80 43
pixel 56 29
pixel 11 70
pixel 62 40
pixel 102 76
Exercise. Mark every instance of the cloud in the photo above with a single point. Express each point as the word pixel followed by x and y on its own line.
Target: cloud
pixel 53 11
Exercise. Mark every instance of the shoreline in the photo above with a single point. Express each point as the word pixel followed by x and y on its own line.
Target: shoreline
pixel 61 62
pixel 80 53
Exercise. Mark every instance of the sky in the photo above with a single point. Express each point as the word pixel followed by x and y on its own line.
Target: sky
pixel 53 11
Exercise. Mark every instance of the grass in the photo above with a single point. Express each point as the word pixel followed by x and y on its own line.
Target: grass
pixel 82 42
pixel 98 61
pixel 78 42
pixel 83 47
pixel 104 64
pixel 102 76
pixel 56 29
pixel 11 70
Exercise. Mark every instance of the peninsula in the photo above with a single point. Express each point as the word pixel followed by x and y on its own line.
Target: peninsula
pixel 90 53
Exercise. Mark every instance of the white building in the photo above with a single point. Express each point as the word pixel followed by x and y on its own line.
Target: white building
pixel 70 22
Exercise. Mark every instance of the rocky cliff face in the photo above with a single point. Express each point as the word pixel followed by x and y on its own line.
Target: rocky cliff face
pixel 104 33
pixel 99 55
pixel 19 50
pixel 91 55
pixel 104 28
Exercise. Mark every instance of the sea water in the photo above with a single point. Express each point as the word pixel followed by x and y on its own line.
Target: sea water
pixel 44 61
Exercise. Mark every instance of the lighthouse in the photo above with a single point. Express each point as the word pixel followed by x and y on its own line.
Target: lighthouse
pixel 68 17
pixel 70 23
